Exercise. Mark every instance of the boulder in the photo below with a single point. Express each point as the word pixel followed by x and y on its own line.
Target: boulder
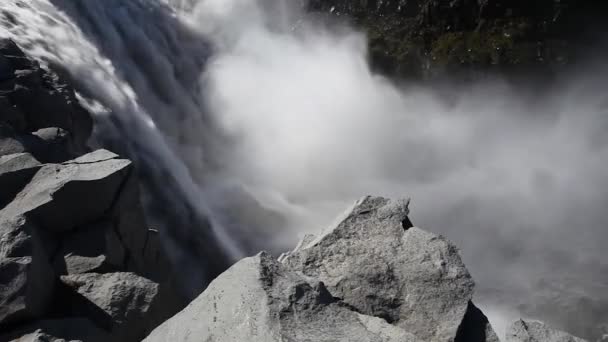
pixel 531 331
pixel 26 289
pixel 377 263
pixel 42 98
pixel 26 276
pixel 259 300
pixel 371 277
pixel 124 304
pixel 82 190
pixel 67 329
pixel 95 248
pixel 16 170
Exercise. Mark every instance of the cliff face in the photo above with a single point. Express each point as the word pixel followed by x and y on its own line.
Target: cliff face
pixel 77 260
pixel 431 38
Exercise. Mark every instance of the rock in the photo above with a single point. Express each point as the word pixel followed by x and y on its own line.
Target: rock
pixel 26 276
pixel 146 255
pixel 26 289
pixel 9 141
pixel 126 305
pixel 16 170
pixel 69 329
pixel 530 331
pixel 372 277
pixel 67 189
pixel 380 266
pixel 95 248
pixel 257 299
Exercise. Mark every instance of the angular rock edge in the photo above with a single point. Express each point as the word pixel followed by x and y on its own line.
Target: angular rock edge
pixel 370 277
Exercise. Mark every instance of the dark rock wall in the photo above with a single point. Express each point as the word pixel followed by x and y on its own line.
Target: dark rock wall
pixel 423 39
pixel 77 259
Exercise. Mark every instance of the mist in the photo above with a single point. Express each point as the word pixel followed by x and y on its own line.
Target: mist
pixel 514 175
pixel 253 123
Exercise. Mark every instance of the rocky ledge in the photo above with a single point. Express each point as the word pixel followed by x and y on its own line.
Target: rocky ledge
pixel 370 277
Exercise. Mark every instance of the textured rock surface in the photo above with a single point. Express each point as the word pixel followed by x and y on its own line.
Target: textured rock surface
pixel 530 331
pixel 69 329
pixel 16 170
pixel 433 38
pixel 409 277
pixel 371 277
pixel 124 303
pixel 59 195
pixel 259 300
pixel 26 289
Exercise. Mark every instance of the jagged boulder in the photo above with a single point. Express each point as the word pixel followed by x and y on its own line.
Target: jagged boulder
pixel 259 300
pixel 371 277
pixel 124 304
pixel 377 263
pixel 63 196
pixel 531 331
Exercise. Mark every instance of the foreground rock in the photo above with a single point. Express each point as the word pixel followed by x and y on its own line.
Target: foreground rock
pixel 530 331
pixel 259 300
pixel 372 277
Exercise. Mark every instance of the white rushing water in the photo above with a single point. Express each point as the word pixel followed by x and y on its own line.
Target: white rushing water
pixel 254 95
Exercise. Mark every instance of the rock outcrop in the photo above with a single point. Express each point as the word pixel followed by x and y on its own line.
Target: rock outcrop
pixel 530 331
pixel 371 277
pixel 77 260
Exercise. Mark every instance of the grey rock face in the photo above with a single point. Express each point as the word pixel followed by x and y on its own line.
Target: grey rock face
pixel 258 300
pixel 531 331
pixel 374 262
pixel 38 99
pixel 26 289
pixel 68 329
pixel 371 277
pixel 124 303
pixel 60 195
pixel 96 248
pixel 16 170
pixel 75 250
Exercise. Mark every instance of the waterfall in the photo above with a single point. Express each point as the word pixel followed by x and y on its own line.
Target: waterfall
pixel 137 65
pixel 253 122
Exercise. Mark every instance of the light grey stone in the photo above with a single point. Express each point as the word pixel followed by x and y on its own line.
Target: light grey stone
pixel 258 300
pixel 532 331
pixel 376 263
